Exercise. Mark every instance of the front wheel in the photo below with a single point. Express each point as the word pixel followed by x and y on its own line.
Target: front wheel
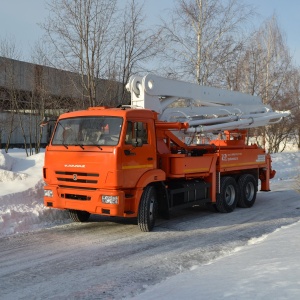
pixel 147 209
pixel 79 215
pixel 227 198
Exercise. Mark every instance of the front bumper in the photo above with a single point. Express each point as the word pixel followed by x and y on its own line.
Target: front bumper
pixel 85 200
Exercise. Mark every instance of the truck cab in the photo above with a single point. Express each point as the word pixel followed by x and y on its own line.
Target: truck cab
pixel 99 160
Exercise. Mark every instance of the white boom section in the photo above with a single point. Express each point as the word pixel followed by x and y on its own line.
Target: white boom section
pixel 206 109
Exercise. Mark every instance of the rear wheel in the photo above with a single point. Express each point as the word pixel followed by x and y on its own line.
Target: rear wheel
pixel 79 215
pixel 147 209
pixel 248 189
pixel 227 199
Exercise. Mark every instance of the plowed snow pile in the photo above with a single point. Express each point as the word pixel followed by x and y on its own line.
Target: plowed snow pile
pixel 21 194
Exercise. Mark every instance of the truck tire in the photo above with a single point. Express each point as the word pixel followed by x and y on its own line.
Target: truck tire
pixel 248 189
pixel 147 209
pixel 227 198
pixel 79 215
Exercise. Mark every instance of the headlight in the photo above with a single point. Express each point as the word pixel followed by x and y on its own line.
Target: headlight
pixel 110 199
pixel 48 193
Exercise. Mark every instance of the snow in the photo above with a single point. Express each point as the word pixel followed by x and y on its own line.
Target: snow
pixel 21 194
pixel 267 267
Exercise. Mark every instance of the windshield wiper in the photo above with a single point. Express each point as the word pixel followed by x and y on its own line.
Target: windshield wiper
pixel 81 146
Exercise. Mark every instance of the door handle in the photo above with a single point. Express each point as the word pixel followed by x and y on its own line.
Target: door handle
pixel 128 152
pixel 150 158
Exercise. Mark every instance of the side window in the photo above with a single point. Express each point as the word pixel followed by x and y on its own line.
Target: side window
pixel 136 130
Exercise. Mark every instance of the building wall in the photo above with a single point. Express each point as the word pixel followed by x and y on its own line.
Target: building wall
pixel 32 78
pixel 30 125
pixel 41 89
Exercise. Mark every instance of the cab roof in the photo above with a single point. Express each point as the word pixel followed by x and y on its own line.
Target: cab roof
pixel 107 111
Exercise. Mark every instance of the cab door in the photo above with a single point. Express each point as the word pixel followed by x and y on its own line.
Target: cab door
pixel 139 151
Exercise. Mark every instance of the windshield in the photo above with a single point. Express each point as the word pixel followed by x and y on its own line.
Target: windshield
pixel 88 131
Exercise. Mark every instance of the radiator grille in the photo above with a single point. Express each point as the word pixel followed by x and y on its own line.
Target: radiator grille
pixel 80 177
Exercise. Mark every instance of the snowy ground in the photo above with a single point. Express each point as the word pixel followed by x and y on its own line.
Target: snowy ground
pixel 268 267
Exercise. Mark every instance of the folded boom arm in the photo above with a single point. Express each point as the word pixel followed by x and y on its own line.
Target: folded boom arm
pixel 206 109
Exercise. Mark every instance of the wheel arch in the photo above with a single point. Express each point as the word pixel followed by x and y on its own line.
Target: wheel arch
pixel 156 178
pixel 151 177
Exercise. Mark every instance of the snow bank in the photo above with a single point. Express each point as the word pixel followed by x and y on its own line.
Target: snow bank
pixel 21 195
pixel 6 162
pixel 262 270
pixel 287 165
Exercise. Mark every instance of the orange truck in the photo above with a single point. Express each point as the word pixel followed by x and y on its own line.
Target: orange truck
pixel 177 145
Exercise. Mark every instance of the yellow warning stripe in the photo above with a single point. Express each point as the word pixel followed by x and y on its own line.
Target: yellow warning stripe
pixel 137 167
pixel 241 164
pixel 196 170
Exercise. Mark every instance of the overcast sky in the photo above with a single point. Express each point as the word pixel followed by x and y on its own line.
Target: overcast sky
pixel 19 19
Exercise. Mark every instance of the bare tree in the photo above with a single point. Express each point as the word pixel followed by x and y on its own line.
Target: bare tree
pixel 81 33
pixel 9 48
pixel 265 63
pixel 202 35
pixel 135 45
pixel 262 69
pixel 291 100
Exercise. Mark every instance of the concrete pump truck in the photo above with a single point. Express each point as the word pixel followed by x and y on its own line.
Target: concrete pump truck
pixel 177 145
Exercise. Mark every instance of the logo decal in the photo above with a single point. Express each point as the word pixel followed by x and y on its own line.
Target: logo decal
pixel 224 157
pixel 74 177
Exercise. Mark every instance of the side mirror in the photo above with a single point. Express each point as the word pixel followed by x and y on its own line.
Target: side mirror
pixel 47 120
pixel 138 142
pixel 44 122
